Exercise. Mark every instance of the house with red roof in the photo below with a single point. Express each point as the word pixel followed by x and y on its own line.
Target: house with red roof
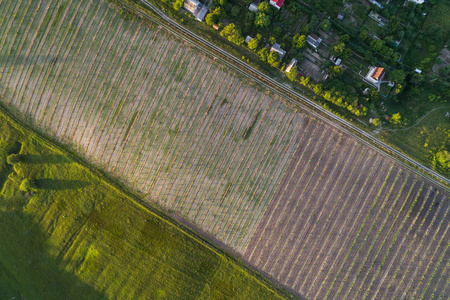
pixel 277 3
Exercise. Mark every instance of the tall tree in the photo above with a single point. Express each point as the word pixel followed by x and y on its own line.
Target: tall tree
pixel 272 59
pixel 263 53
pixel 178 4
pixel 263 7
pixel 254 42
pixel 299 41
pixel 292 74
pixel 262 20
pixel 398 76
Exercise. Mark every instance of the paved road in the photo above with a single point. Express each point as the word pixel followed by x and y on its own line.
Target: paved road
pixel 293 96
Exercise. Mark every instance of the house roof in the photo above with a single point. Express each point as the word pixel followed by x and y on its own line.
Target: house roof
pixel 252 7
pixel 378 73
pixel 291 64
pixel 277 3
pixel 202 13
pixel 191 5
pixel 313 40
pixel 277 48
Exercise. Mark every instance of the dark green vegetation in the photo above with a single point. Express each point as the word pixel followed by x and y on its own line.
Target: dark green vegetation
pixel 76 236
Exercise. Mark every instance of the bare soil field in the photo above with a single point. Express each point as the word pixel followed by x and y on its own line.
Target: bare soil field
pixel 302 201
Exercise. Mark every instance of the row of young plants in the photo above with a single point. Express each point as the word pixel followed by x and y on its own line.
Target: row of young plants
pixel 360 233
pixel 352 222
pixel 351 161
pixel 289 148
pixel 252 256
pixel 321 143
pixel 347 206
pixel 283 262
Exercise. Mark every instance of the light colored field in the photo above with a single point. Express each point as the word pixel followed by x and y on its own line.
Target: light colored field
pixel 302 201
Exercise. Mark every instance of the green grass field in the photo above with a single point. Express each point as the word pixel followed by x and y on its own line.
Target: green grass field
pixel 78 237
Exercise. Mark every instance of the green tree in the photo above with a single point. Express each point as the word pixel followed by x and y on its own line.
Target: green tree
pixel 235 11
pixel 417 78
pixel 443 159
pixel 377 45
pixel 304 80
pixel 299 41
pixel 376 122
pixel 254 42
pixel 214 16
pixel 232 33
pixel 337 48
pixel 218 3
pixel 318 89
pixel 396 119
pixel 263 7
pixel 263 53
pixel 27 185
pixel 362 35
pixel 13 159
pixel 249 19
pixel 178 4
pixel 398 76
pixel 325 25
pixel 262 20
pixel 345 38
pixel 292 74
pixel 272 59
pixel 336 71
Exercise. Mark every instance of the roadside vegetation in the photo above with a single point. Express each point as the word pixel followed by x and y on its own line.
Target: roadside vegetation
pixel 68 233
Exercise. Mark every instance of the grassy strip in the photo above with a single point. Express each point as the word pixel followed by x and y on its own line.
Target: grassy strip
pixel 93 241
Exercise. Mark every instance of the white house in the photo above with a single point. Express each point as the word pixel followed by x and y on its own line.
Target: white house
pixel 417 1
pixel 291 64
pixel 313 40
pixel 192 6
pixel 196 8
pixel 276 48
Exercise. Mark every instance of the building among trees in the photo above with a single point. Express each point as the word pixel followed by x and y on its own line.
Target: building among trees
pixel 313 40
pixel 196 8
pixel 375 76
pixel 291 64
pixel 277 48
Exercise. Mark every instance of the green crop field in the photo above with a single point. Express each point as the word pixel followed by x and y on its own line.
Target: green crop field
pixel 306 203
pixel 78 237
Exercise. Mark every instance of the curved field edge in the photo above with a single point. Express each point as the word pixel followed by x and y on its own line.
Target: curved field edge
pixel 77 235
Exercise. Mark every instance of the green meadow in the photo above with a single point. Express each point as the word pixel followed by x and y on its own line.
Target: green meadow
pixel 67 233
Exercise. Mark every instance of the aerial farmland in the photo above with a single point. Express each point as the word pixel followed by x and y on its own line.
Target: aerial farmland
pixel 301 201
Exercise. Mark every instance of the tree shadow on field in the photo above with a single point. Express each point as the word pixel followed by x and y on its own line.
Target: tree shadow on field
pixel 28 270
pixel 61 184
pixel 46 159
